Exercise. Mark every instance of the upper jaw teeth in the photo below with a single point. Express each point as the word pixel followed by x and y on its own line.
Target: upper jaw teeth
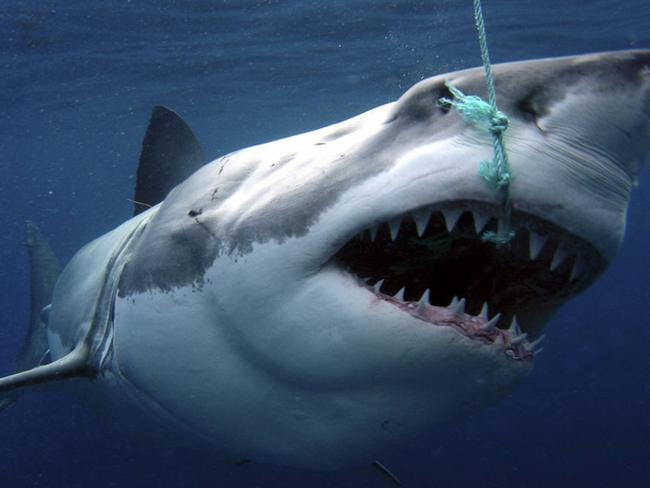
pixel 451 217
pixel 421 218
pixel 558 258
pixel 555 252
pixel 394 226
pixel 535 244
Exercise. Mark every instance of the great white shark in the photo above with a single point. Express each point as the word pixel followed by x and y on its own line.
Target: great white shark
pixel 315 300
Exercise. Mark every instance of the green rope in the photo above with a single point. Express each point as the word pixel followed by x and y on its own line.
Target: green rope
pixel 496 172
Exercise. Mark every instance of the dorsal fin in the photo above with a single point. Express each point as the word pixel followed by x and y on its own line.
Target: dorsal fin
pixel 170 153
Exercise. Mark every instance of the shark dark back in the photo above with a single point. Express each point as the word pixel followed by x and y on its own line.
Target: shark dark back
pixel 317 299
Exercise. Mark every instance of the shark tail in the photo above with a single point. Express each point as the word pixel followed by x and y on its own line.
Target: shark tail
pixel 44 271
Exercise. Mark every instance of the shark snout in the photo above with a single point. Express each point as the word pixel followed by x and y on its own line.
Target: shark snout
pixel 576 158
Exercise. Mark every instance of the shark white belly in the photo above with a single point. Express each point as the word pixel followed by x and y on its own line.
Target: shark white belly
pixel 315 300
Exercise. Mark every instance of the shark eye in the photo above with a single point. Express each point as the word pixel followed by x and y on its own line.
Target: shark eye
pixel 532 106
pixel 528 109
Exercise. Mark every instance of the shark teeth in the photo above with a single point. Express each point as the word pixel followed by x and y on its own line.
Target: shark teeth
pixel 373 232
pixel 457 306
pixel 394 225
pixel 480 221
pixel 377 286
pixel 421 219
pixel 578 269
pixel 425 222
pixel 491 325
pixel 513 340
pixel 536 243
pixel 423 302
pixel 400 294
pixel 514 328
pixel 532 345
pixel 558 258
pixel 484 311
pixel 439 251
pixel 451 217
pixel 519 339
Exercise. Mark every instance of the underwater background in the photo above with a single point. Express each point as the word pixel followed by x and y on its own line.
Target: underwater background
pixel 77 82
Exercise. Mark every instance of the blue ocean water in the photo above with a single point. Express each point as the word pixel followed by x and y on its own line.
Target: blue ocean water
pixel 77 82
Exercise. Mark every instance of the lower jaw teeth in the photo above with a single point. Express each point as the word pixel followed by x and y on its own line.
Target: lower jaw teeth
pixel 512 340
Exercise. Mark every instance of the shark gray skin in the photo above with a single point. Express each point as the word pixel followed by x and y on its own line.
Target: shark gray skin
pixel 315 300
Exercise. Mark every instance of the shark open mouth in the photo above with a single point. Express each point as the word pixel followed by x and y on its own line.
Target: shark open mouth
pixel 434 263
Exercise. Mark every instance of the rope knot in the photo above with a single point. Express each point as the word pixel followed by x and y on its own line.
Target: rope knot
pixel 496 172
pixel 475 110
pixel 498 122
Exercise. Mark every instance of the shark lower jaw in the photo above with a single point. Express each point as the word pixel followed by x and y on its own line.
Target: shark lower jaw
pixel 435 264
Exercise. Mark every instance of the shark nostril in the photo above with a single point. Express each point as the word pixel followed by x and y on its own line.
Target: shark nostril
pixel 443 93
